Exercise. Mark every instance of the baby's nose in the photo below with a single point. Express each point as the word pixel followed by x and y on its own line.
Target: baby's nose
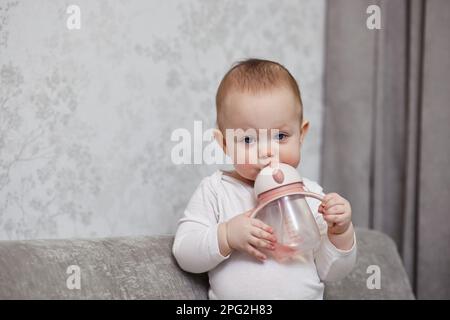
pixel 267 150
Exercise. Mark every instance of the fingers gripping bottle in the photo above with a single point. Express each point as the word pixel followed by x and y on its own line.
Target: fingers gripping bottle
pixel 282 205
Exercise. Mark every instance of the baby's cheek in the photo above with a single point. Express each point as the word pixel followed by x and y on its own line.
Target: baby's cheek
pixel 247 171
pixel 245 155
pixel 290 157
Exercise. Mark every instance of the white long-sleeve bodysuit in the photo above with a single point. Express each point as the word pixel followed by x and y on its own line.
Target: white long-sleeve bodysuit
pixel 219 198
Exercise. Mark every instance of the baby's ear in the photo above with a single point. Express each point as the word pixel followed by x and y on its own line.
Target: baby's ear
pixel 220 139
pixel 304 130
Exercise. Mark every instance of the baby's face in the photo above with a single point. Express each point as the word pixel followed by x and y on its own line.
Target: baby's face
pixel 270 129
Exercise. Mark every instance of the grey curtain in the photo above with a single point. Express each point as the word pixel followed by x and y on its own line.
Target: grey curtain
pixel 387 128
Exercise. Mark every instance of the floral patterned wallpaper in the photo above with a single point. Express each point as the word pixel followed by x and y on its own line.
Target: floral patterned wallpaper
pixel 86 115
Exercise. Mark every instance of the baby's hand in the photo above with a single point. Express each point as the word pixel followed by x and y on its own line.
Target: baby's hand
pixel 248 234
pixel 337 212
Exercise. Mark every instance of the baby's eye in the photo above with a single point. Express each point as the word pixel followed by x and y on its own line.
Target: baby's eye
pixel 280 136
pixel 248 140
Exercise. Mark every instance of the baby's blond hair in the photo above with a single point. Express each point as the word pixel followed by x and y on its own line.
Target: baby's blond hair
pixel 255 75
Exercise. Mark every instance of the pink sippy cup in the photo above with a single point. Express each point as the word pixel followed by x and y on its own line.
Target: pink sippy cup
pixel 282 205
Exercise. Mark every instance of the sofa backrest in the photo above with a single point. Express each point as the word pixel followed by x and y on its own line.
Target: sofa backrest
pixel 144 268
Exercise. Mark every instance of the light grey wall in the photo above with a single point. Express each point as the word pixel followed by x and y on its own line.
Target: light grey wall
pixel 86 115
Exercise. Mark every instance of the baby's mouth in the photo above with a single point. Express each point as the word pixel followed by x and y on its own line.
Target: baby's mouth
pixel 266 162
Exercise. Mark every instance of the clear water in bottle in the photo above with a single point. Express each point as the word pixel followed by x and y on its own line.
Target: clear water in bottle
pixel 294 226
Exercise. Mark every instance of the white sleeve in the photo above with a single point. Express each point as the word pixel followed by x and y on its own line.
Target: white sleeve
pixel 196 246
pixel 332 263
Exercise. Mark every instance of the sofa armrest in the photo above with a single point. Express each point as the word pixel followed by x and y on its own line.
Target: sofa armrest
pixel 374 249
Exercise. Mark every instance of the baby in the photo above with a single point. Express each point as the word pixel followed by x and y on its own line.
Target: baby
pixel 217 234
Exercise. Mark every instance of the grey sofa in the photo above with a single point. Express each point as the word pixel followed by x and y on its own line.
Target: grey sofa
pixel 144 268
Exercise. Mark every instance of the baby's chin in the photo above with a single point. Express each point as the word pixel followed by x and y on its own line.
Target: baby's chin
pixel 247 171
